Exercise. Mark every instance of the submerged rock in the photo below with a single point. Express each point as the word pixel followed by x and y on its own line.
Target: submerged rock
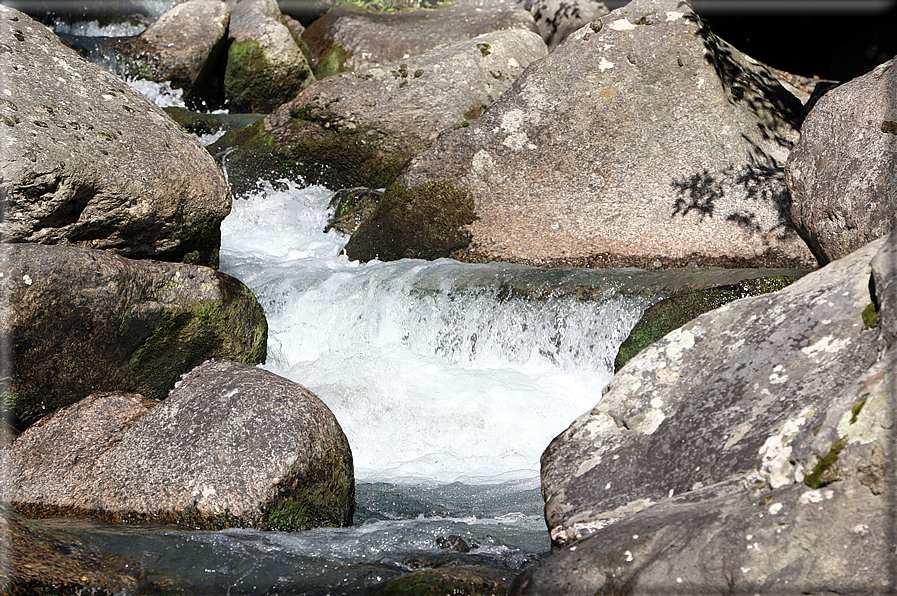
pixel 842 173
pixel 231 446
pixel 759 426
pixel 89 161
pixel 265 66
pixel 642 138
pixel 85 320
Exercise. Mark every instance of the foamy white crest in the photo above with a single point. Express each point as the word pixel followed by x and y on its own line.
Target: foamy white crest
pixel 94 29
pixel 435 370
pixel 160 93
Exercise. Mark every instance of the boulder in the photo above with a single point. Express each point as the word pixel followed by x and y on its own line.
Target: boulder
pixel 674 311
pixel 555 19
pixel 183 46
pixel 265 66
pixel 749 449
pixel 85 320
pixel 232 446
pixel 360 128
pixel 643 140
pixel 89 161
pixel 842 172
pixel 346 39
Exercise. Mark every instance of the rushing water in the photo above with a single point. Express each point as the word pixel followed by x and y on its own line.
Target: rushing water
pixel 448 379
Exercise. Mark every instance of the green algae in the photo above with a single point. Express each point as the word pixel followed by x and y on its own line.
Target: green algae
pixel 677 310
pixel 870 315
pixel 422 222
pixel 825 471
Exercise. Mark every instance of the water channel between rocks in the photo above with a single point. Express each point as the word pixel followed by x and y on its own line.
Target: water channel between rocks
pixel 448 379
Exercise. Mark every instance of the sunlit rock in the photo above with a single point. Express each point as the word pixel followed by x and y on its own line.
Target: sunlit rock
pixel 232 445
pixel 89 161
pixel 642 140
pixel 843 171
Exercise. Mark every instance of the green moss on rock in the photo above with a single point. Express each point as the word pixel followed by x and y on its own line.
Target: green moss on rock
pixel 826 471
pixel 677 310
pixel 422 222
pixel 232 329
pixel 252 83
pixel 870 315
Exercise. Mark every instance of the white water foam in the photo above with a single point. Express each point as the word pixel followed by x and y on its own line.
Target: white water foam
pixel 431 381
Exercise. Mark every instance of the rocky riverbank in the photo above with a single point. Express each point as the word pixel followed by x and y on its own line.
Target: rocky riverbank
pixel 748 450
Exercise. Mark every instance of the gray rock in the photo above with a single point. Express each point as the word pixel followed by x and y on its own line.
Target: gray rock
pixel 556 19
pixel 641 138
pixel 842 172
pixel 265 66
pixel 757 386
pixel 85 320
pixel 183 46
pixel 89 161
pixel 414 99
pixel 233 445
pixel 346 39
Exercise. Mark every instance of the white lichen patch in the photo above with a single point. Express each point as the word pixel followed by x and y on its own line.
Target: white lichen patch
pixel 777 379
pixel 587 465
pixel 651 421
pixel 605 64
pixel 672 15
pixel 775 454
pixel 775 508
pixel 518 141
pixel 700 82
pixel 513 63
pixel 622 25
pixel 27 279
pixel 827 344
pixel 815 496
pixel 512 121
pixel 679 340
pixel 482 163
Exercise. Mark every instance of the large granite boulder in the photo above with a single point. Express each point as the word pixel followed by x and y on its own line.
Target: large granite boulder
pixel 183 46
pixel 360 128
pixel 232 446
pixel 642 140
pixel 843 171
pixel 748 433
pixel 89 161
pixel 346 39
pixel 265 66
pixel 83 320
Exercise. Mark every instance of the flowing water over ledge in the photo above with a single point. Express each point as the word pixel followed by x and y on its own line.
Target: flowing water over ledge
pixel 449 380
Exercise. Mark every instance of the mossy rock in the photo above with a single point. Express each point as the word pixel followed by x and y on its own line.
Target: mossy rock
pixel 254 83
pixel 463 580
pixel 422 222
pixel 310 152
pixel 677 310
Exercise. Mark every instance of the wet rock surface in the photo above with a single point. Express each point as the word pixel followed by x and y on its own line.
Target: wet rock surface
pixel 233 445
pixel 86 320
pixel 265 66
pixel 671 151
pixel 842 173
pixel 91 162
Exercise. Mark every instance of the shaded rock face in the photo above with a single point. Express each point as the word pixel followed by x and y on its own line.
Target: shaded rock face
pixel 641 139
pixel 414 99
pixel 265 66
pixel 757 439
pixel 346 39
pixel 86 320
pixel 36 561
pixel 89 161
pixel 233 445
pixel 843 171
pixel 183 46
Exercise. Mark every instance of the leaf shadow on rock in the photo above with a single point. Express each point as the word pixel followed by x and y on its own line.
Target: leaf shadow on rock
pixel 701 191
